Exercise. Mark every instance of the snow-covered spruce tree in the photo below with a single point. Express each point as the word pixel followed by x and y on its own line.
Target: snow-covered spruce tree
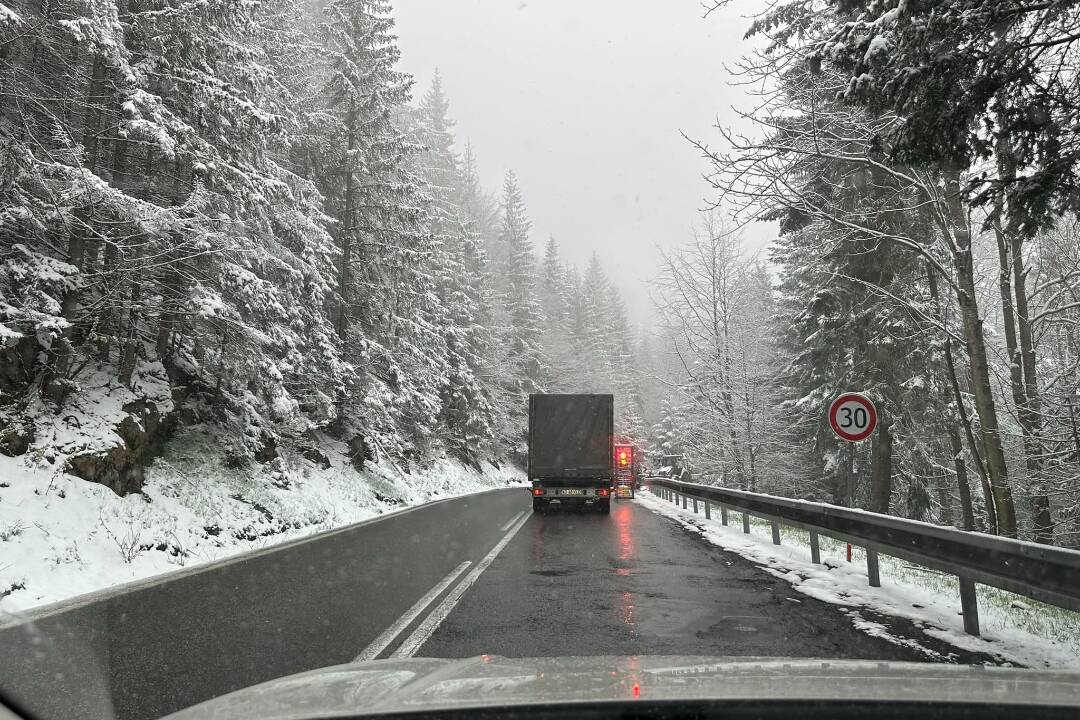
pixel 555 302
pixel 458 263
pixel 552 288
pixel 481 207
pixel 388 312
pixel 518 278
pixel 61 66
pixel 521 365
pixel 241 301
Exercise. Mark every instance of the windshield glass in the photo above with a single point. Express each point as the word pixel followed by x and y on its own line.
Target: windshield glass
pixel 345 331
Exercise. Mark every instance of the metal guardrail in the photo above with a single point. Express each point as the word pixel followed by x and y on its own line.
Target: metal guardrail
pixel 1041 572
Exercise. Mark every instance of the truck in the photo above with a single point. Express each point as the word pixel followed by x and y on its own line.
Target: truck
pixel 571 451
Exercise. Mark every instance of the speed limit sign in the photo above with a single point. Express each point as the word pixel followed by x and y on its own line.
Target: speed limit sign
pixel 853 417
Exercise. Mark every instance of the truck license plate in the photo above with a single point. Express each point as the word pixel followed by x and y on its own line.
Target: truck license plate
pixel 572 491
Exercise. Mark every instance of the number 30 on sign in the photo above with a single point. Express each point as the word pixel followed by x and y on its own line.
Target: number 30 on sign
pixel 853 417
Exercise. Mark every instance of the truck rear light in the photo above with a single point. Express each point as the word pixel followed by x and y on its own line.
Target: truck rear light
pixel 538 491
pixel 603 492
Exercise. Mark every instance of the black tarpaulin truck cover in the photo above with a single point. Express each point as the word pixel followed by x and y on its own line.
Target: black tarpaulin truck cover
pixel 570 436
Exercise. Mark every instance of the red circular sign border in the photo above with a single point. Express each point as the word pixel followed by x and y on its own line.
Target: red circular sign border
pixel 866 403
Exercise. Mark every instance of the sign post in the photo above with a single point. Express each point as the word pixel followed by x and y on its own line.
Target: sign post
pixel 852 417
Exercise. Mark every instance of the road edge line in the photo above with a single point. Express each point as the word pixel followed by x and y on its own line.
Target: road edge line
pixel 387 636
pixel 431 623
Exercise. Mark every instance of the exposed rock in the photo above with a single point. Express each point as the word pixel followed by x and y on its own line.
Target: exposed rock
pixel 143 430
pixel 267 449
pixel 316 456
pixel 360 451
pixel 15 437
pixel 115 469
pixel 17 368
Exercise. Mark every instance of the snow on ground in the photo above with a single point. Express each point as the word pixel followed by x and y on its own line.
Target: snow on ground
pixel 1025 633
pixel 61 536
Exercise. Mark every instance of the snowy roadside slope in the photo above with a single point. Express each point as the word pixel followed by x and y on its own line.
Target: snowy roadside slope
pixel 1025 633
pixel 61 536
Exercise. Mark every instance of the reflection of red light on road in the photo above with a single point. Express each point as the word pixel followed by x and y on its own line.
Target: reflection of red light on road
pixel 627 607
pixel 626 537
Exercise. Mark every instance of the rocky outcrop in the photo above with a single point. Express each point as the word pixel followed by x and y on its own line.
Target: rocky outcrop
pixel 116 469
pixel 15 437
pixel 360 452
pixel 17 368
pixel 120 468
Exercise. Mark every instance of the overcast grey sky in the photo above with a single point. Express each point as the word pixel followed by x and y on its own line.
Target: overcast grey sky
pixel 585 101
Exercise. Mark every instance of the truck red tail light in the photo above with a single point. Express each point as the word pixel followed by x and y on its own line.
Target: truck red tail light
pixel 538 491
pixel 603 492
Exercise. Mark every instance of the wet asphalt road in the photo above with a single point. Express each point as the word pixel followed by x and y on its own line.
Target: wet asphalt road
pixel 506 581
pixel 636 583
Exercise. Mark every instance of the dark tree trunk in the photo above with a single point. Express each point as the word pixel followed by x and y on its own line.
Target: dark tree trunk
pixel 881 468
pixel 110 260
pixel 348 238
pixel 130 352
pixel 981 388
pixel 966 512
pixel 959 465
pixel 80 236
pixel 1031 410
pixel 173 289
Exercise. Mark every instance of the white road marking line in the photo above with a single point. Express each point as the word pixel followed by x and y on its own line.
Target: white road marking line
pixel 425 629
pixel 380 643
pixel 510 522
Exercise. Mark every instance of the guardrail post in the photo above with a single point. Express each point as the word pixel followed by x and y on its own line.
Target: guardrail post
pixel 708 515
pixel 695 506
pixel 872 568
pixel 969 603
pixel 723 514
pixel 775 532
pixel 684 502
pixel 746 522
pixel 815 548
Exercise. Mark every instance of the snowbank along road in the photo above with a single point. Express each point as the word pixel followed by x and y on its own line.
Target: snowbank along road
pixel 456 578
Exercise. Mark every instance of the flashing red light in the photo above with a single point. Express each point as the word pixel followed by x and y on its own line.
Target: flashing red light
pixel 538 491
pixel 623 455
pixel 637 690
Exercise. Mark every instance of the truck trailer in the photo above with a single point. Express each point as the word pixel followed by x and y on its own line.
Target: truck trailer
pixel 570 451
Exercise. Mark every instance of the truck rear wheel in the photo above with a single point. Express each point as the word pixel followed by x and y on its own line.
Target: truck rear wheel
pixel 539 505
pixel 605 507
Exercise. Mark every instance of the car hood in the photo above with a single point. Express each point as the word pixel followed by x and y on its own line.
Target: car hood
pixel 392 686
